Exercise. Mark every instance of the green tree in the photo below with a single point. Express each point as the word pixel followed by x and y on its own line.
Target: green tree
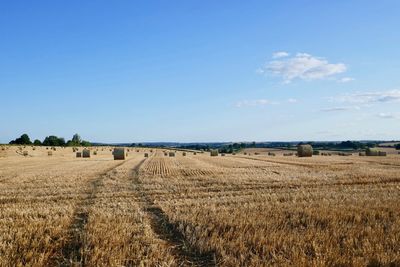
pixel 53 140
pixel 37 142
pixel 76 139
pixel 85 143
pixel 397 146
pixel 23 140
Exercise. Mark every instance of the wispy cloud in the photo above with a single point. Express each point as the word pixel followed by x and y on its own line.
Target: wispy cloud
pixel 369 97
pixel 256 102
pixel 292 100
pixel 280 54
pixel 346 80
pixel 383 115
pixel 301 66
pixel 334 109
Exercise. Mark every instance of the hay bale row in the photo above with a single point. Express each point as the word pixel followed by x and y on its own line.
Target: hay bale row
pixel 362 154
pixel 345 154
pixel 382 154
pixel 288 154
pixel 304 151
pixel 373 152
pixel 326 154
pixel 271 154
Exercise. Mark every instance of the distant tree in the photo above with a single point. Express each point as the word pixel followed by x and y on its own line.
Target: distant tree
pixel 69 143
pixel 76 139
pixel 61 141
pixel 133 145
pixel 53 140
pixel 397 146
pixel 85 143
pixel 37 142
pixel 23 140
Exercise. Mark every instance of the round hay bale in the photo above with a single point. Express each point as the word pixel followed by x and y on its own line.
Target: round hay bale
pixel 184 154
pixel 222 154
pixel 86 153
pixel 25 153
pixel 146 155
pixel 119 154
pixel 79 154
pixel 361 154
pixel 49 153
pixel 304 151
pixel 371 152
pixel 214 153
pixel 171 154
pixel 194 153
pixel 382 153
pixel 95 153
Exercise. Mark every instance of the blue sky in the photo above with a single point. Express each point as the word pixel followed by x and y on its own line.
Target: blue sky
pixel 192 71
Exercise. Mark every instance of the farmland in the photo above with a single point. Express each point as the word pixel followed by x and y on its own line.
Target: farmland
pixel 197 210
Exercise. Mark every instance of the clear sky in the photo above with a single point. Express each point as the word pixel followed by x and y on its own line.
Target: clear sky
pixel 192 71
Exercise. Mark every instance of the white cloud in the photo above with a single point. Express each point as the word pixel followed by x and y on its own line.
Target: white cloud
pixel 369 97
pixel 383 115
pixel 292 100
pixel 280 54
pixel 256 102
pixel 333 109
pixel 346 80
pixel 304 67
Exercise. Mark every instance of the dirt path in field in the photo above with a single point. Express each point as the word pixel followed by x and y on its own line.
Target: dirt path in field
pixel 185 254
pixel 71 251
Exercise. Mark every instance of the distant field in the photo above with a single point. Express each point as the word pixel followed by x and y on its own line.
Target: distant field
pixel 197 210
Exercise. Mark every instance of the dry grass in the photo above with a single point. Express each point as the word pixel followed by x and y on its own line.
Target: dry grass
pixel 198 210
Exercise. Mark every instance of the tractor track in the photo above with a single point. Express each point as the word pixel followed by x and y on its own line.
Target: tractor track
pixel 185 253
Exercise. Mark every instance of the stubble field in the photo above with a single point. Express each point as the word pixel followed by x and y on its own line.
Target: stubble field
pixel 197 210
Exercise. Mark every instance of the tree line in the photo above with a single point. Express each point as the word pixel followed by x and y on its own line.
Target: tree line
pixel 51 140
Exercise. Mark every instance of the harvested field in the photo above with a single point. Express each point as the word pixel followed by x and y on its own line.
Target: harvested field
pixel 197 210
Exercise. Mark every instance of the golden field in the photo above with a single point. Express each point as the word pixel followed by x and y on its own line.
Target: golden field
pixel 197 210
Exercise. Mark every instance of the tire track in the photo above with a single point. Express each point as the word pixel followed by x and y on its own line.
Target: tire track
pixel 185 253
pixel 71 250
